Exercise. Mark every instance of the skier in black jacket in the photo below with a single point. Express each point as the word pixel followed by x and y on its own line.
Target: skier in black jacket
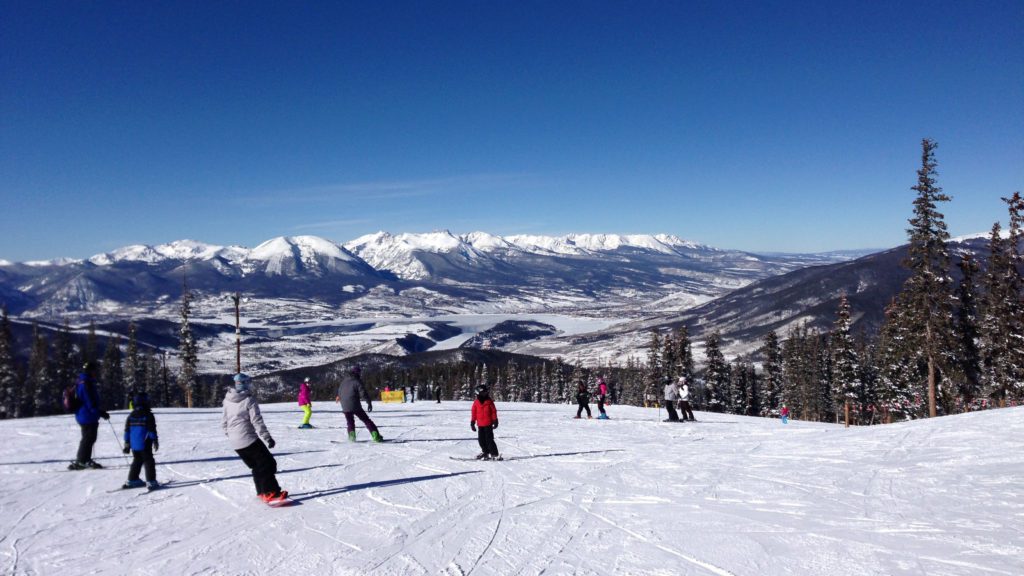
pixel 583 399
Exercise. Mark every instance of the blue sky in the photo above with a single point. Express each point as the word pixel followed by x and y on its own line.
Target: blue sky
pixel 764 126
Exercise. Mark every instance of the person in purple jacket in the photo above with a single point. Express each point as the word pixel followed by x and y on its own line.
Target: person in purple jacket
pixel 305 403
pixel 88 417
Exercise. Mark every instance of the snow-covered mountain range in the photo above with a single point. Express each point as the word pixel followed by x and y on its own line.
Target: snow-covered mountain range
pixel 372 292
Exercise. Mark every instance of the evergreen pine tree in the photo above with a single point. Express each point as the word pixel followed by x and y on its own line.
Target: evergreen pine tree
pixel 716 373
pixel 111 383
pixel 868 394
pixel 996 330
pixel 653 377
pixel 66 363
pixel 897 367
pixel 1015 295
pixel 89 353
pixel 134 370
pixel 669 361
pixel 772 382
pixel 684 353
pixel 45 392
pixel 187 351
pixel 846 384
pixel 8 373
pixel 968 336
pixel 928 291
pixel 755 402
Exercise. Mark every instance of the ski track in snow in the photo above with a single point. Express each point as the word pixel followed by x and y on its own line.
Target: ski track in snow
pixel 728 495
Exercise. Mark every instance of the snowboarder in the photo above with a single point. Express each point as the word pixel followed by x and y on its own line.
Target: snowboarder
pixel 671 397
pixel 602 397
pixel 244 427
pixel 684 401
pixel 141 440
pixel 484 421
pixel 88 417
pixel 437 392
pixel 784 413
pixel 305 404
pixel 350 392
pixel 582 400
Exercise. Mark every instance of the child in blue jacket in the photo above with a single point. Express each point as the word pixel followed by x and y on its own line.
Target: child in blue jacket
pixel 141 440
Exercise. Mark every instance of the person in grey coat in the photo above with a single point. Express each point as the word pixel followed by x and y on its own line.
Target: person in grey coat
pixel 350 392
pixel 244 427
pixel 671 397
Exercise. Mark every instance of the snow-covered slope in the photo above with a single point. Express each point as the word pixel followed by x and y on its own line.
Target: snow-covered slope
pixel 726 495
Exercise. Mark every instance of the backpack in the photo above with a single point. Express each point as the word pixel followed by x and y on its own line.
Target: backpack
pixel 70 399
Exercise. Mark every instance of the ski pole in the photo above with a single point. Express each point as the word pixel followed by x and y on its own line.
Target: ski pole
pixel 118 441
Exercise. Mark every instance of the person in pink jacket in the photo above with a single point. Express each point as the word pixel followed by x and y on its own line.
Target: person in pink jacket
pixel 602 397
pixel 305 404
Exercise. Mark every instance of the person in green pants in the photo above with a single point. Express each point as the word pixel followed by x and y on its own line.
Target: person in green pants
pixel 305 404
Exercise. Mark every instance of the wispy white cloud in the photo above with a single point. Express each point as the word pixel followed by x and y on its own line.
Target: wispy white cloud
pixel 392 189
pixel 332 224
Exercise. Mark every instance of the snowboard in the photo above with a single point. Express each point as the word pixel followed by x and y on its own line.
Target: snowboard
pixel 384 441
pixel 123 488
pixel 286 501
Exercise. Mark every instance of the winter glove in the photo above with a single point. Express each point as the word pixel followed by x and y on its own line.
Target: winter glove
pixel 369 407
pixel 156 446
pixel 127 448
pixel 271 443
pixel 472 426
pixel 104 415
pixel 495 425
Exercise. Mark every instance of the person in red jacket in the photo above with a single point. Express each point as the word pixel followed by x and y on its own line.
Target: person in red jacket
pixel 483 421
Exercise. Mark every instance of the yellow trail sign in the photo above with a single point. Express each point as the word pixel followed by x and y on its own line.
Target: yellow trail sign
pixel 390 397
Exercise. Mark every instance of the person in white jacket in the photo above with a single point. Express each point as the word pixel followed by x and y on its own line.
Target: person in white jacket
pixel 671 397
pixel 684 401
pixel 244 427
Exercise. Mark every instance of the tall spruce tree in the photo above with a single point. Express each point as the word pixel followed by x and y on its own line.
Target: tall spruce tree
pixel 846 384
pixel 45 391
pixel 89 352
pixel 684 353
pixel 66 363
pixel 996 329
pixel 8 373
pixel 111 383
pixel 134 369
pixel 968 335
pixel 772 382
pixel 928 291
pixel 716 373
pixel 187 351
pixel 898 371
pixel 654 378
pixel 1015 294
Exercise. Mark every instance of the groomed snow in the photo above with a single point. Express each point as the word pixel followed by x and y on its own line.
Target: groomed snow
pixel 727 495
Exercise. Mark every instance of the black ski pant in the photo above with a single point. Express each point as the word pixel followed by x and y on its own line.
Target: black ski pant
pixel 670 407
pixel 142 458
pixel 600 404
pixel 350 420
pixel 684 407
pixel 485 435
pixel 583 405
pixel 85 444
pixel 263 466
